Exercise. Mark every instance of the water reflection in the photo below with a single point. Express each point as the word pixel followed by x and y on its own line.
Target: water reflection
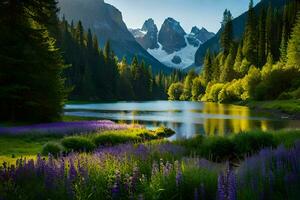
pixel 186 118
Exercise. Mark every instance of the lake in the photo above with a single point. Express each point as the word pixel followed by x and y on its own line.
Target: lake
pixel 186 118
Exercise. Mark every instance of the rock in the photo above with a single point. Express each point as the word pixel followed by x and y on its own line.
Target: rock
pixel 171 36
pixel 176 60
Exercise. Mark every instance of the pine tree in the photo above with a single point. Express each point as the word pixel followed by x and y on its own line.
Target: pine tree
pixel 269 34
pixel 208 68
pixel 238 59
pixel 227 73
pixel 293 49
pixel 262 38
pixel 227 34
pixel 31 85
pixel 250 36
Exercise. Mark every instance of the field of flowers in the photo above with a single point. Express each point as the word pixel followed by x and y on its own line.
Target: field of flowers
pixel 153 171
pixel 65 128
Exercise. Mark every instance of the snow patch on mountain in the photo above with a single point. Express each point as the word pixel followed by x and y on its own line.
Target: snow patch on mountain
pixel 187 55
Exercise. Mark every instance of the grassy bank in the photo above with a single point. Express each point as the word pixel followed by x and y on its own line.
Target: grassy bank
pixel 291 107
pixel 213 148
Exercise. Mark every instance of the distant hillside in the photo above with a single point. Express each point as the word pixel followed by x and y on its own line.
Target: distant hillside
pixel 238 29
pixel 107 23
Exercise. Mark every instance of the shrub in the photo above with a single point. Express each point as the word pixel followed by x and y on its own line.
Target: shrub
pixel 52 148
pixel 78 143
pixel 213 92
pixel 175 91
pixel 217 148
pixel 249 143
pixel 163 132
pixel 110 138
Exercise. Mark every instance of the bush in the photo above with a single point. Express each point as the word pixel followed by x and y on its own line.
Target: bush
pixel 213 92
pixel 217 148
pixel 52 148
pixel 163 132
pixel 250 143
pixel 110 138
pixel 78 143
pixel 175 91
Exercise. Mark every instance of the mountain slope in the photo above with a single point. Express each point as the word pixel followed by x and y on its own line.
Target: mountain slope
pixel 172 46
pixel 238 29
pixel 106 22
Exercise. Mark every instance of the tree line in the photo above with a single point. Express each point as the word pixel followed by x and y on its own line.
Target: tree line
pixel 45 61
pixel 263 65
pixel 97 74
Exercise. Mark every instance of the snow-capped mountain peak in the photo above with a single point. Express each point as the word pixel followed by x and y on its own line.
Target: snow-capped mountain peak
pixel 171 45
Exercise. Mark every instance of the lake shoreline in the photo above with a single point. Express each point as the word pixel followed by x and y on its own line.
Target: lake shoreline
pixel 284 109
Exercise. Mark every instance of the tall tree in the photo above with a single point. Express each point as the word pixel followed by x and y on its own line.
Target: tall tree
pixel 31 85
pixel 293 49
pixel 227 34
pixel 250 36
pixel 262 38
pixel 208 67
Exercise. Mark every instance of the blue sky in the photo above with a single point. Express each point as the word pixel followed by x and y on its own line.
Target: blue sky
pixel 206 13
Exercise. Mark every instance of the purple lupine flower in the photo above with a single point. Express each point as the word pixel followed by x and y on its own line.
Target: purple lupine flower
pixel 178 177
pixel 202 191
pixel 65 128
pixel 196 194
pixel 72 171
pixel 232 186
pixel 221 188
pixel 116 187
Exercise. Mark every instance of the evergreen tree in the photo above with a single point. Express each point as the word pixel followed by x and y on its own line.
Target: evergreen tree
pixel 238 59
pixel 250 36
pixel 269 34
pixel 227 73
pixel 208 67
pixel 31 85
pixel 293 49
pixel 262 38
pixel 227 34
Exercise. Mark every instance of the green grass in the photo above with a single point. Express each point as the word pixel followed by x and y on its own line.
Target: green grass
pixel 77 118
pixel 213 148
pixel 287 106
pixel 12 147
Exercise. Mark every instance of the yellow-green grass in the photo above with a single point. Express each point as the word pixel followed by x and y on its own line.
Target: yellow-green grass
pixel 12 147
pixel 288 106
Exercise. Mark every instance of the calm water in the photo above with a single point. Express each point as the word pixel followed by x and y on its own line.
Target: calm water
pixel 186 118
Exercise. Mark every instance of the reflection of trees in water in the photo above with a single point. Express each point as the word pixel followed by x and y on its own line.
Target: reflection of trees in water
pixel 222 126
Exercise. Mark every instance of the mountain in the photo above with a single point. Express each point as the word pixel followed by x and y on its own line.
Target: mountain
pixel 171 36
pixel 106 22
pixel 171 45
pixel 238 29
pixel 147 36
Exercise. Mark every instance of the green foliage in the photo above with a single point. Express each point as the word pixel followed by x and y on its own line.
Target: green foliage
pixel 208 67
pixel 253 69
pixel 217 148
pixel 293 49
pixel 96 74
pixel 175 91
pixel 111 138
pixel 212 93
pixel 163 132
pixel 31 68
pixel 245 143
pixel 250 36
pixel 52 148
pixel 227 34
pixel 198 89
pixel 78 143
pixel 187 86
